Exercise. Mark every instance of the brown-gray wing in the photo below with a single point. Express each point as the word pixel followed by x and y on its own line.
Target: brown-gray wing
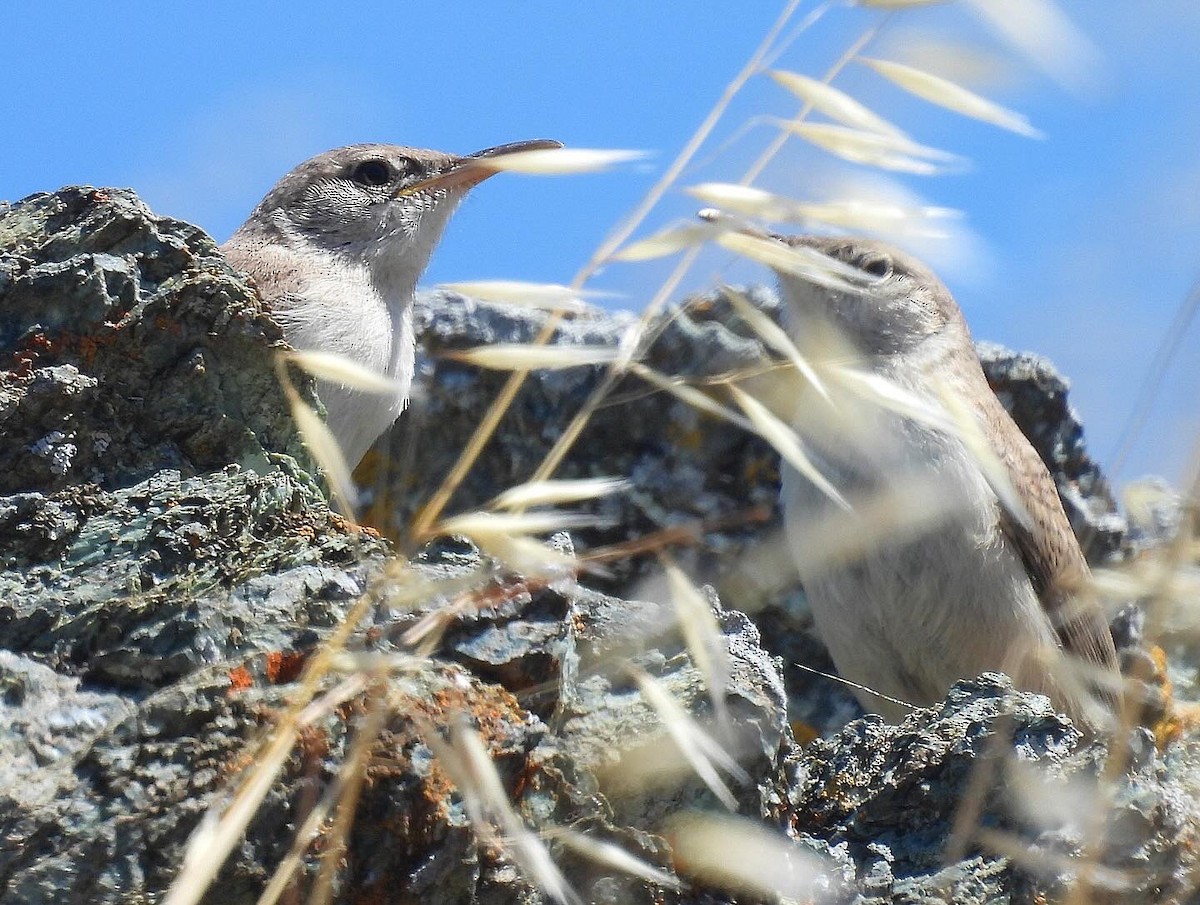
pixel 1051 554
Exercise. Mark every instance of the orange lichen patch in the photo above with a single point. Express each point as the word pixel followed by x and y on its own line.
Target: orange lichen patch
pixel 32 348
pixel 284 666
pixel 496 595
pixel 168 325
pixel 312 744
pixel 1179 718
pixel 343 525
pixel 90 345
pixel 493 708
pixel 689 438
pixel 804 733
pixel 239 679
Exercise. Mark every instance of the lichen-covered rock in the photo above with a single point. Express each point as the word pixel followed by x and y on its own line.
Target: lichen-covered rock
pixel 534 673
pixel 697 479
pixel 890 801
pixel 169 569
pixel 150 469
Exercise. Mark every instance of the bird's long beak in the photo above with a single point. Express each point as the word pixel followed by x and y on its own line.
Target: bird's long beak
pixel 465 172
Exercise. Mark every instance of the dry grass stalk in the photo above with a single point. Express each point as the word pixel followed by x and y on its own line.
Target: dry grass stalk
pixel 744 856
pixel 787 443
pixel 703 636
pixel 320 442
pixel 529 357
pixel 433 508
pixel 888 152
pixel 702 752
pixel 544 296
pixel 837 105
pixel 558 161
pixel 465 759
pixel 556 493
pixel 611 855
pixel 946 93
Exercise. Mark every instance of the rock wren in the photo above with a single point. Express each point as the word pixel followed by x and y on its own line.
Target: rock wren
pixel 979 590
pixel 337 247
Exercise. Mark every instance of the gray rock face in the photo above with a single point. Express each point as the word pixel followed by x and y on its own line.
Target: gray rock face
pixel 149 465
pixel 170 566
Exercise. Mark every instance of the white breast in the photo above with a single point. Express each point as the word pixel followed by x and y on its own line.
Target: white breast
pixel 913 615
pixel 341 311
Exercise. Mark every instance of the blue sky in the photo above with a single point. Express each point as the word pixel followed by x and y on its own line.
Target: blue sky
pixel 1081 247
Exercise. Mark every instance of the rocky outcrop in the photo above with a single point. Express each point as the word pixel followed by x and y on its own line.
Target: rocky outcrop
pixel 173 578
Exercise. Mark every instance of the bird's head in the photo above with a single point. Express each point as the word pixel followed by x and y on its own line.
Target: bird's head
pixel 888 304
pixel 376 203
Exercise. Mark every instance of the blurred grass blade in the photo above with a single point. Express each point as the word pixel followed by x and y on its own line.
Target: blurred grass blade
pixel 951 96
pixel 833 103
pixel 742 855
pixel 786 443
pixel 668 242
pixel 528 557
pixel 995 472
pixel 906 507
pixel 697 399
pixel 220 829
pixel 479 773
pixel 880 218
pixel 889 395
pixel 558 161
pixel 556 493
pixel 692 742
pixel 328 455
pixel 703 636
pixel 1042 861
pixel 1039 30
pixel 469 766
pixel 774 336
pixel 487 524
pixel 798 260
pixel 224 823
pixel 531 357
pixel 746 200
pixel 887 152
pixel 339 369
pixel 857 215
pixel 608 854
pixel 527 295
pixel 1149 501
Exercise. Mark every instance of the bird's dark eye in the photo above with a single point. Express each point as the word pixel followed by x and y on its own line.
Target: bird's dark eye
pixel 372 173
pixel 878 266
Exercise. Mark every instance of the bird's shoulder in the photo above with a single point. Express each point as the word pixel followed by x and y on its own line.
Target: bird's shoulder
pixel 276 269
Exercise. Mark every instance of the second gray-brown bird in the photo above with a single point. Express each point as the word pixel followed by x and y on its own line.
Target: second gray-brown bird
pixel 981 588
pixel 336 249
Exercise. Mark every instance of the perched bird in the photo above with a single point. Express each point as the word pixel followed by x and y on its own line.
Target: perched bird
pixel 984 586
pixel 337 247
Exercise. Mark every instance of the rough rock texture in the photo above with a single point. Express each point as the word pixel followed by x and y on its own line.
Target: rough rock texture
pixel 692 473
pixel 170 569
pixel 886 800
pixel 149 471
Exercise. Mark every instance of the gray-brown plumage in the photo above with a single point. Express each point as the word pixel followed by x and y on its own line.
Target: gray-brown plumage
pixel 981 588
pixel 336 249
